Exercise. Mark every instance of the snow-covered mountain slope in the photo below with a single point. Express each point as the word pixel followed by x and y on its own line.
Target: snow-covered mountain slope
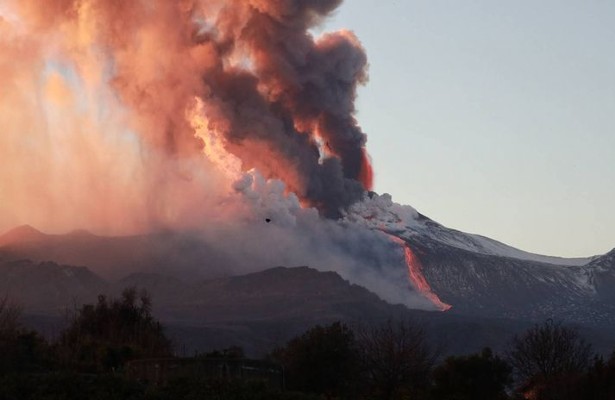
pixel 473 274
pixel 483 245
pixel 381 212
pixel 602 275
pixel 480 276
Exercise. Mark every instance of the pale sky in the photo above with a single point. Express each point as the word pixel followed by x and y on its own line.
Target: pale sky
pixel 494 117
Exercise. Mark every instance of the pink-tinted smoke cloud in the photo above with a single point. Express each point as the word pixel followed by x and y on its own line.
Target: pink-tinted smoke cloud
pixel 98 100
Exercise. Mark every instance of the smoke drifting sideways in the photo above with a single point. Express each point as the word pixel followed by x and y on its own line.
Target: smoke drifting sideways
pixel 299 236
pixel 126 117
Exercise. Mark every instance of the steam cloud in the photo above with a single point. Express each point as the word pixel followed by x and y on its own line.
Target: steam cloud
pixel 211 115
pixel 95 95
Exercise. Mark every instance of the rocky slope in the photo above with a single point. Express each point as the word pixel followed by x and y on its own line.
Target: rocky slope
pixel 480 276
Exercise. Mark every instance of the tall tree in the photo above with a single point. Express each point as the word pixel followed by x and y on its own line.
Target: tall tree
pixel 323 360
pixel 481 376
pixel 395 358
pixel 21 350
pixel 548 350
pixel 9 317
pixel 549 360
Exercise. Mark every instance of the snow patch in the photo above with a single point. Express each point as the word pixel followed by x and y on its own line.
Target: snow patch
pixel 381 212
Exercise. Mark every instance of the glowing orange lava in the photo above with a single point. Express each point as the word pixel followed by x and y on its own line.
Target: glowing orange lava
pixel 366 176
pixel 415 272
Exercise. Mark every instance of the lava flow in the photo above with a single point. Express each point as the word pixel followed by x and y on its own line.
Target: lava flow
pixel 415 272
pixel 131 117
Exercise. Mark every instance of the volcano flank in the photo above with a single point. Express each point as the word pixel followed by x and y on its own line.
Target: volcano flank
pixel 209 151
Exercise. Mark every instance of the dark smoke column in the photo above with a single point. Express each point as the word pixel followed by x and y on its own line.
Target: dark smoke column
pixel 297 91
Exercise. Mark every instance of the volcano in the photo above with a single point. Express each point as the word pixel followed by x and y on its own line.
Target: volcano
pixel 489 288
pixel 462 273
pixel 202 141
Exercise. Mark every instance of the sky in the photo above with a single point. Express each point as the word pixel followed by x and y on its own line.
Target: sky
pixel 494 117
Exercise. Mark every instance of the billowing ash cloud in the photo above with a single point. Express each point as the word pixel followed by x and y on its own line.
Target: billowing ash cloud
pixel 271 228
pixel 106 87
pixel 205 116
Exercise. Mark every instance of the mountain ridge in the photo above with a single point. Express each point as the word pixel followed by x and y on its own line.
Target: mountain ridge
pixel 218 313
pixel 481 276
pixel 476 275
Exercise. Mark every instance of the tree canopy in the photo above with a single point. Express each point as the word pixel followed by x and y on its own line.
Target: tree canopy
pixel 323 360
pixel 113 331
pixel 549 350
pixel 395 357
pixel 482 376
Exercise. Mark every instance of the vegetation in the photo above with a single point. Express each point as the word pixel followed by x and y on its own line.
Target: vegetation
pixel 482 376
pixel 598 382
pixel 9 317
pixel 395 359
pixel 550 361
pixel 324 360
pixel 390 361
pixel 21 350
pixel 103 337
pixel 549 351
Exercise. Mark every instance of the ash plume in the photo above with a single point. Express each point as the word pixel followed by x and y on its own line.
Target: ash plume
pixel 106 87
pixel 226 119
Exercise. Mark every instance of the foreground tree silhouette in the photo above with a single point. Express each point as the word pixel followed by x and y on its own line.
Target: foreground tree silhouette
pixel 9 317
pixel 475 377
pixel 21 350
pixel 395 358
pixel 598 383
pixel 104 336
pixel 322 361
pixel 547 357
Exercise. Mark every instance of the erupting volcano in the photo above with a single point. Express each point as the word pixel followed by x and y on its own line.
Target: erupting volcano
pixel 415 271
pixel 125 117
pixel 99 91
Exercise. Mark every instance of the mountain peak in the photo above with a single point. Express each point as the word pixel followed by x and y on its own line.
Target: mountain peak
pixel 23 233
pixel 606 261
